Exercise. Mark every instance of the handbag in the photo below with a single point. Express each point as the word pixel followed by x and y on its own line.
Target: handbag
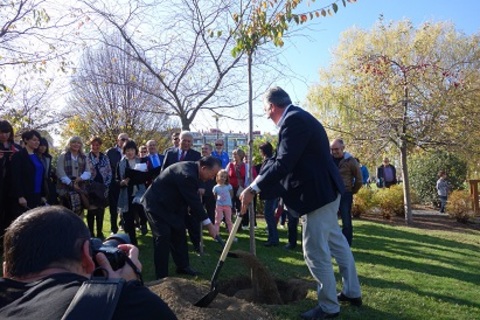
pixel 72 201
pixel 96 194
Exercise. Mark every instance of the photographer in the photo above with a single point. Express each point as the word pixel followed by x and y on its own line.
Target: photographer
pixel 48 257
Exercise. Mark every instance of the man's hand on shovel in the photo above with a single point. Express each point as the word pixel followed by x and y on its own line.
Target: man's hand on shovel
pixel 246 197
pixel 212 231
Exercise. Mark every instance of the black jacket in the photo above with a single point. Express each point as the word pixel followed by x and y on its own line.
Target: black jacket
pixel 175 188
pixel 23 177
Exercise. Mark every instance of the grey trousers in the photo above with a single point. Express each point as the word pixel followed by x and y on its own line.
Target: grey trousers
pixel 322 239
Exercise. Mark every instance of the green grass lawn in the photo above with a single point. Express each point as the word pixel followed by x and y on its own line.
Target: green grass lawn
pixel 405 273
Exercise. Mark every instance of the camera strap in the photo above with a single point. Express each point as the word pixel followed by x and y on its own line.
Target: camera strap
pixel 100 296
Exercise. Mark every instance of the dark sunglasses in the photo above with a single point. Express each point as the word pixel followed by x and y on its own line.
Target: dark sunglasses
pixel 218 144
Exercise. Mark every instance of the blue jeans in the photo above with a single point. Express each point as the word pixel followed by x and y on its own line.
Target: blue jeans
pixel 269 213
pixel 443 203
pixel 345 213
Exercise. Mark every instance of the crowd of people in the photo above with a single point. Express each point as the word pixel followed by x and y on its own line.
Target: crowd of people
pixel 307 181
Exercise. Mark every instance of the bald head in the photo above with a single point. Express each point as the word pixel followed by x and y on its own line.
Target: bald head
pixel 337 148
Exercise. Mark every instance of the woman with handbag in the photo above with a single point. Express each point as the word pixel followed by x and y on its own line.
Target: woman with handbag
pixel 132 187
pixel 98 187
pixel 238 175
pixel 73 170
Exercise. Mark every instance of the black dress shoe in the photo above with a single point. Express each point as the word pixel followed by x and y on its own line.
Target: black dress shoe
pixel 353 301
pixel 188 271
pixel 317 313
pixel 270 244
pixel 290 246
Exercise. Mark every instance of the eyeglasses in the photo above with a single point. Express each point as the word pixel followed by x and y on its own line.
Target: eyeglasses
pixel 175 139
pixel 123 139
pixel 218 144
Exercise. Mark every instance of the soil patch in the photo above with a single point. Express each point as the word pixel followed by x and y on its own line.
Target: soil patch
pixel 181 295
pixel 262 287
pixel 238 298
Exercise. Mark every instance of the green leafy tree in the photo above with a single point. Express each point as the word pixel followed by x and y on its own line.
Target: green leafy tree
pixel 261 22
pixel 424 169
pixel 395 88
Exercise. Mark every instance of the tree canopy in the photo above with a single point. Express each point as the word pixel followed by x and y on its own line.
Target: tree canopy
pixel 397 87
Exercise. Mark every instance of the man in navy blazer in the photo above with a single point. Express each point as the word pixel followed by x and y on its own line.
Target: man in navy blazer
pixel 304 175
pixel 165 200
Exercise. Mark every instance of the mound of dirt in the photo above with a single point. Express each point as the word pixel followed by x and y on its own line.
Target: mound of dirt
pixel 181 295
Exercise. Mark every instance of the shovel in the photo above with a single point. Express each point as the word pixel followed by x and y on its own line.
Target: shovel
pixel 210 296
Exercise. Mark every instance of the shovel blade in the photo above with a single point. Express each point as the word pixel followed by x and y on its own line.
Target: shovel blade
pixel 207 299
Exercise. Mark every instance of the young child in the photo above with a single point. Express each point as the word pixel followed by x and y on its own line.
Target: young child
pixel 223 193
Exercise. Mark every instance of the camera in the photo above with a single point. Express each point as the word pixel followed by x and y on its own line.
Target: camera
pixel 115 256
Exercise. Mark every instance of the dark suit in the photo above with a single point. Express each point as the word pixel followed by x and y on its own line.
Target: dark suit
pixel 23 182
pixel 381 183
pixel 171 157
pixel 165 201
pixel 114 191
pixel 304 175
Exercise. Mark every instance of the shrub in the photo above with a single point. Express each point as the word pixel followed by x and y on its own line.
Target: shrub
pixel 363 201
pixel 423 173
pixel 459 205
pixel 390 201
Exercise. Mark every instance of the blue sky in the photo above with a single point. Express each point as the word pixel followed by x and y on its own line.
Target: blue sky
pixel 305 56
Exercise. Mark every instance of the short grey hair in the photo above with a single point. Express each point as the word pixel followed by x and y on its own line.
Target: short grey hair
pixel 278 97
pixel 186 134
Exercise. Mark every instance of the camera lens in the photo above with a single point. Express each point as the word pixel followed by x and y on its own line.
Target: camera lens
pixel 116 239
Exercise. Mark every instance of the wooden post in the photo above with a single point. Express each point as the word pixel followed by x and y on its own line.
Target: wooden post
pixel 474 194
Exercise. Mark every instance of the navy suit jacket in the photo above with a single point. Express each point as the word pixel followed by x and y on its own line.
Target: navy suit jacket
pixel 302 172
pixel 174 189
pixel 171 157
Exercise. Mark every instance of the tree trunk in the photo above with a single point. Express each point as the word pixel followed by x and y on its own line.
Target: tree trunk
pixel 406 184
pixel 403 156
pixel 251 209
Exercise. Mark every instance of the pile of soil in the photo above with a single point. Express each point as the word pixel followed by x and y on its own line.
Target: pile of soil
pixel 238 298
pixel 181 295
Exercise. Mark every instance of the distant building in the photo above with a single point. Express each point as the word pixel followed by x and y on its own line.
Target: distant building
pixel 232 139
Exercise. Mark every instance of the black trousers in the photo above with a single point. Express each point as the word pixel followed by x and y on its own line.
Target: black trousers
pixel 95 216
pixel 166 240
pixel 113 193
pixel 292 229
pixel 193 228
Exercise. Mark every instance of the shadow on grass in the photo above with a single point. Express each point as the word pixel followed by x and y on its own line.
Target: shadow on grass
pixel 381 283
pixel 404 245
